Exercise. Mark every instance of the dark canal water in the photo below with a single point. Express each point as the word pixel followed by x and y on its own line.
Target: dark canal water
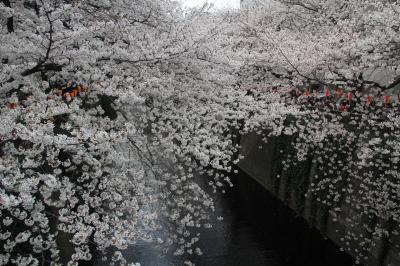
pixel 257 230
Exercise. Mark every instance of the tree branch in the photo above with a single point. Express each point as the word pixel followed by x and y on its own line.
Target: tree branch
pixel 41 64
pixel 298 3
pixel 10 20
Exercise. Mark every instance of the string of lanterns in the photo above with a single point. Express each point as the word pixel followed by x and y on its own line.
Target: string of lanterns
pixel 67 93
pixel 341 94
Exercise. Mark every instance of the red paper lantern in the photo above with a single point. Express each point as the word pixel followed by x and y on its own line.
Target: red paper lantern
pixel 350 96
pixel 327 92
pixel 387 99
pixel 12 105
pixel 370 99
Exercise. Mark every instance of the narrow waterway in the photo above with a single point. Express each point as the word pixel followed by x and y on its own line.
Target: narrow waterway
pixel 257 230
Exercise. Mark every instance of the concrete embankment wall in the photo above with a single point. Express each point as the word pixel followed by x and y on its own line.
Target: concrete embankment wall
pixel 263 162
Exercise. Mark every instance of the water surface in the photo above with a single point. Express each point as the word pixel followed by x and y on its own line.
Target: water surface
pixel 257 230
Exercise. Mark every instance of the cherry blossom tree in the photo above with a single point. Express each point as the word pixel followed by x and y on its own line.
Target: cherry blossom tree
pixel 108 109
pixel 354 152
pixel 325 41
pixel 111 108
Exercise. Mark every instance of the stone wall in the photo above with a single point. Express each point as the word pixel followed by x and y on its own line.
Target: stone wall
pixel 263 162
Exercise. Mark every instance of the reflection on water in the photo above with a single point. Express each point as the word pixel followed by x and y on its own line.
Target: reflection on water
pixel 257 230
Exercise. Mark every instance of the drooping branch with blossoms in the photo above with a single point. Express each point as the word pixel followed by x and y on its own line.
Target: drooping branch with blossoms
pixel 107 110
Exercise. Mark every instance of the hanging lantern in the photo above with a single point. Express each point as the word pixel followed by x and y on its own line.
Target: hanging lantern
pixel 298 92
pixel 370 100
pixel 342 107
pixel 387 100
pixel 13 104
pixel 350 96
pixel 308 92
pixel 327 92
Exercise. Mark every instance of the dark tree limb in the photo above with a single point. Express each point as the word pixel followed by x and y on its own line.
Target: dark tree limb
pixel 10 20
pixel 41 65
pixel 362 83
pixel 42 68
pixel 302 4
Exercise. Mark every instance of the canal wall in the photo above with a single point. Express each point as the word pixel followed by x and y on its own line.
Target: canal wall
pixel 263 162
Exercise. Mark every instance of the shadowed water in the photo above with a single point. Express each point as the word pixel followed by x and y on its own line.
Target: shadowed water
pixel 257 230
